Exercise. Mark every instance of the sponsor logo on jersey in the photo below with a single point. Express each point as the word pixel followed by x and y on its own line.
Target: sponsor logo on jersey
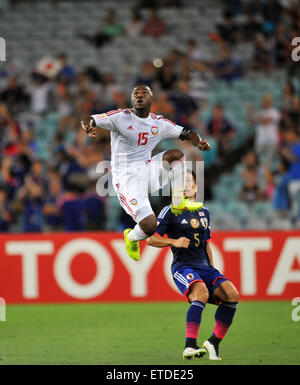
pixel 130 127
pixel 154 130
pixel 201 214
pixel 195 223
pixel 190 276
pixel 133 202
pixel 184 221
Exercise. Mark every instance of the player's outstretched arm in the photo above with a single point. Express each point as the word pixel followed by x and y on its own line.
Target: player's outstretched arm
pixel 195 139
pixel 89 126
pixel 158 241
pixel 209 253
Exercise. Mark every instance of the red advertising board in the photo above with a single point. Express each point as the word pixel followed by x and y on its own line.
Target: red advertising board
pixel 94 267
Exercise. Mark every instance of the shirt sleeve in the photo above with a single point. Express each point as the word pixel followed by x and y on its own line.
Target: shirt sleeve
pixel 163 221
pixel 172 130
pixel 107 120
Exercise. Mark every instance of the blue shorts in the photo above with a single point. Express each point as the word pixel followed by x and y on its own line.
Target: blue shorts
pixel 186 275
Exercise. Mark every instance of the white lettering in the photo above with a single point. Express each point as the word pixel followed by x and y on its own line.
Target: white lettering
pixel 2 49
pixel 283 271
pixel 296 51
pixel 63 262
pixel 138 270
pixel 29 252
pixel 248 248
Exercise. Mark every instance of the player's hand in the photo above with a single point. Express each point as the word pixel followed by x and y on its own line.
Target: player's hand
pixel 181 242
pixel 204 145
pixel 89 128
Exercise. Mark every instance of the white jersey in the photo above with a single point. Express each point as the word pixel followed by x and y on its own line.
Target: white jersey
pixel 133 138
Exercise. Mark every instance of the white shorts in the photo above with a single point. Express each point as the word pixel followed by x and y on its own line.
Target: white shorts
pixel 134 184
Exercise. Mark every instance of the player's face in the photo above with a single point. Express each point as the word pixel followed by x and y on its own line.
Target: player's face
pixel 141 98
pixel 190 189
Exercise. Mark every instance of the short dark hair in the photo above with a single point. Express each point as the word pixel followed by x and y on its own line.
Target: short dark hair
pixel 143 85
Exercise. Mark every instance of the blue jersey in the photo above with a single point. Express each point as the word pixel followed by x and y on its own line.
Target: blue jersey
pixel 192 225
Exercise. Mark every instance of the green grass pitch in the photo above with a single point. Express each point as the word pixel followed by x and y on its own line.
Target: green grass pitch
pixel 143 333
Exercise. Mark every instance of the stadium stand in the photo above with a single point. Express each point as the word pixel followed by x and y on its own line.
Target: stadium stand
pixel 67 59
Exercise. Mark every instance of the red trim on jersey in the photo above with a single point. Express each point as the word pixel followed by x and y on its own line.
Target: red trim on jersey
pixel 124 201
pixel 215 280
pixel 167 120
pixel 165 235
pixel 112 112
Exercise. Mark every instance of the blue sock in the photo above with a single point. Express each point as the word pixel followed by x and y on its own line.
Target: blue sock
pixel 193 320
pixel 224 316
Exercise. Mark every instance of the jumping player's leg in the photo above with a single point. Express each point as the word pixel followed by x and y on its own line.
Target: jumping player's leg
pixel 144 229
pixel 176 161
pixel 224 315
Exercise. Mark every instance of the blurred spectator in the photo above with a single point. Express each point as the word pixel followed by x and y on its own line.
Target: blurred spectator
pixel 71 205
pixel 251 191
pixel 193 52
pixel 222 129
pixel 166 76
pixel 94 209
pixel 271 12
pixel 65 107
pixel 291 153
pixel 186 108
pixel 200 76
pixel 10 130
pixel 110 91
pixel 280 193
pixel 267 129
pixel 134 26
pixel 162 106
pixel 40 91
pixel 228 29
pixel 154 26
pixel 108 30
pixel 146 75
pixel 111 27
pixel 227 67
pixel 14 96
pixel 262 55
pixel 32 194
pixel 281 44
pixel 5 212
pixel 51 209
pixel 290 107
pixel 250 28
pixel 67 72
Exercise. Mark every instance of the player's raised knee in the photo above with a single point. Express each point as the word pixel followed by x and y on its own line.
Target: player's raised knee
pixel 232 295
pixel 149 225
pixel 173 155
pixel 198 292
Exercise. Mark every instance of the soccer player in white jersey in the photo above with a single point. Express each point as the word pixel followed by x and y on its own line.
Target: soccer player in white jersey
pixel 135 132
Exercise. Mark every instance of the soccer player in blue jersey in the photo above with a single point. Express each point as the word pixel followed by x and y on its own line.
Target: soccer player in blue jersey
pixel 188 234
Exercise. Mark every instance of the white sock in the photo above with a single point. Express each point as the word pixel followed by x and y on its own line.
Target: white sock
pixel 137 234
pixel 177 176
